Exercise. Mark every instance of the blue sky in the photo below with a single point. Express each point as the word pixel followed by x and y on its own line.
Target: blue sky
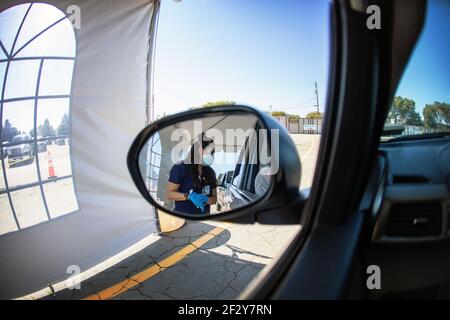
pixel 264 53
pixel 258 52
pixel 427 76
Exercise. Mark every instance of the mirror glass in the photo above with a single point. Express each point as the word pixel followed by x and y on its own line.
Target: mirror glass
pixel 210 165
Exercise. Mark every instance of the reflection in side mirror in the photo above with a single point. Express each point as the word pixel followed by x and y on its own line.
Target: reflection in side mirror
pixel 208 165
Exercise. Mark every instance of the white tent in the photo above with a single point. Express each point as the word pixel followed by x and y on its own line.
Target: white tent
pixel 110 101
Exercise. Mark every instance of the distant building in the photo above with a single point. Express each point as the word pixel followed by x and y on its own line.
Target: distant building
pixel 300 125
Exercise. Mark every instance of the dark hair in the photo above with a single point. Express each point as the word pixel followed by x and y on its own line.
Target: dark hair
pixel 192 160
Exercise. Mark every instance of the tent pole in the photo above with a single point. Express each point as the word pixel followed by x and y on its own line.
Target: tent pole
pixel 151 49
pixel 149 105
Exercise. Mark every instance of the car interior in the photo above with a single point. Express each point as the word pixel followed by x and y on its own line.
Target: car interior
pixel 374 224
pixel 374 205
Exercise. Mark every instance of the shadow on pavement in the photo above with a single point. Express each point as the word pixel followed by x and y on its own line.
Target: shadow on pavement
pixel 20 163
pixel 203 274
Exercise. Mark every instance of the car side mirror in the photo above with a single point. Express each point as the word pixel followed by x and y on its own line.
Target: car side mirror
pixel 175 162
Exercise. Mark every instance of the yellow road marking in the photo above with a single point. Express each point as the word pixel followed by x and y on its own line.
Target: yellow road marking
pixel 18 161
pixel 156 268
pixel 309 150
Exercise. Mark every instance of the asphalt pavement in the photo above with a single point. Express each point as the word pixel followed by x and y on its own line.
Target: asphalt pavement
pixel 201 260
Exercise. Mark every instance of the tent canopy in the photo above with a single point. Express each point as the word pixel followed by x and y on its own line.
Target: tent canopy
pixel 109 102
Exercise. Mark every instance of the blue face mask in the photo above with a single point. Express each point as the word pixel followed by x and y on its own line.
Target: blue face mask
pixel 207 159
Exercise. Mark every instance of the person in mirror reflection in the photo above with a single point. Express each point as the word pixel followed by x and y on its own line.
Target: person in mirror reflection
pixel 192 182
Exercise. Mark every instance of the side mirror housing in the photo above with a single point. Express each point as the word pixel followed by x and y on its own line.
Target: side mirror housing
pixel 251 145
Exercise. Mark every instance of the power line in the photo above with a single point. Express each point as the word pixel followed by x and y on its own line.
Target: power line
pixel 306 102
pixel 297 107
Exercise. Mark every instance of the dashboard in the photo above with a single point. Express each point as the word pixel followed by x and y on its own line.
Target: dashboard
pixel 410 219
pixel 416 203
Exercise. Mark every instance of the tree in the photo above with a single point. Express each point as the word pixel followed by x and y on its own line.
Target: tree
pixel 437 116
pixel 218 103
pixel 414 119
pixel 46 130
pixel 8 131
pixel 278 113
pixel 314 115
pixel 64 127
pixel 403 111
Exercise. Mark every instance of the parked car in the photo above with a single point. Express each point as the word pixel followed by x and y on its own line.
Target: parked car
pixel 22 151
pixel 5 149
pixel 60 142
pixel 41 147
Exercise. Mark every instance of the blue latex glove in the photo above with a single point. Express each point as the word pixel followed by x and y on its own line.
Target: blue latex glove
pixel 198 199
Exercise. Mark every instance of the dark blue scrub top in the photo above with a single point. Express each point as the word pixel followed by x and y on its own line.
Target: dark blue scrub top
pixel 179 174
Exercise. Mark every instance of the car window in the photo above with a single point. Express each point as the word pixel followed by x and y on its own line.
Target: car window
pixel 209 53
pixel 229 177
pixel 421 105
pixel 238 174
pixel 272 55
pixel 252 167
pixel 17 139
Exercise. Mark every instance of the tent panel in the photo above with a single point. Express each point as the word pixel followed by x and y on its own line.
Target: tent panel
pixel 109 91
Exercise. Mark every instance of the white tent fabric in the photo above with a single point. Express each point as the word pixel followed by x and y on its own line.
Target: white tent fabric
pixel 108 108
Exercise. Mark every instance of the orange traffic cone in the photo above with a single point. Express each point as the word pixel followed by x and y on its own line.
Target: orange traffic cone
pixel 51 170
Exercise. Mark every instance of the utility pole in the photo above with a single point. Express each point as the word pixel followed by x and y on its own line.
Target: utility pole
pixel 317 97
pixel 317 105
